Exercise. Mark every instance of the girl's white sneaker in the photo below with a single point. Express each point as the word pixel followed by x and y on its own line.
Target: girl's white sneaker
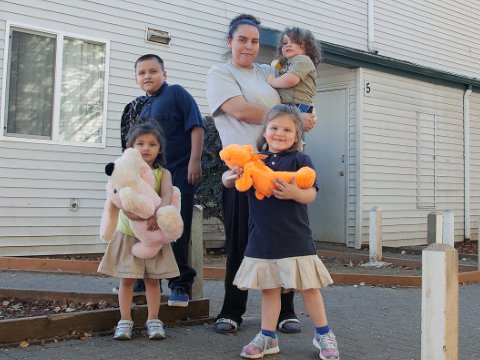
pixel 155 329
pixel 124 329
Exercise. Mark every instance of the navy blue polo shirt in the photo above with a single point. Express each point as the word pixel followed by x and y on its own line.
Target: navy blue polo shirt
pixel 177 113
pixel 279 228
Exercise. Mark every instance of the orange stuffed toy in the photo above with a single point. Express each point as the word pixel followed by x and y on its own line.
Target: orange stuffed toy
pixel 256 173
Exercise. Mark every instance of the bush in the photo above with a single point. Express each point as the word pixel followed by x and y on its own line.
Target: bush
pixel 209 191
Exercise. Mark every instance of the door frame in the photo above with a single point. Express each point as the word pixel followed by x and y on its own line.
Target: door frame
pixel 343 85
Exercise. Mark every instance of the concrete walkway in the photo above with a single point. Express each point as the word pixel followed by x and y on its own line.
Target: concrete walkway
pixel 371 323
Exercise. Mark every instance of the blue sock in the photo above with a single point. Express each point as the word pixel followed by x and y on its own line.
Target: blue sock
pixel 322 330
pixel 272 334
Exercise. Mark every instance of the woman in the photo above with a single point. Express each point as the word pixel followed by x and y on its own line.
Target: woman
pixel 239 96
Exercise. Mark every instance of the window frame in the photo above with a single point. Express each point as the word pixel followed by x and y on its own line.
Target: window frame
pixel 59 36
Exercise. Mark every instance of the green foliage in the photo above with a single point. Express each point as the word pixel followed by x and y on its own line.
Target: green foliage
pixel 209 191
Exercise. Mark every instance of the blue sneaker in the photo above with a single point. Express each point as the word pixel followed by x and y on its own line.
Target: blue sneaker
pixel 138 288
pixel 179 297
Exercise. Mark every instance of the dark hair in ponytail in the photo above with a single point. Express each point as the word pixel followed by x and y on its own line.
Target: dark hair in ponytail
pixel 243 19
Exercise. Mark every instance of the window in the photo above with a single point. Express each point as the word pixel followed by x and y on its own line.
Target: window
pixel 55 87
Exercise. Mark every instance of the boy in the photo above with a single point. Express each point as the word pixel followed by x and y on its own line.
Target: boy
pixel 179 116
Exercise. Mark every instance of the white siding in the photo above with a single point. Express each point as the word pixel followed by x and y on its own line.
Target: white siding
pixel 390 154
pixel 342 21
pixel 37 180
pixel 441 34
pixel 2 53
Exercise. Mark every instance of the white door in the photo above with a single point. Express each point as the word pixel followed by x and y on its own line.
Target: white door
pixel 327 146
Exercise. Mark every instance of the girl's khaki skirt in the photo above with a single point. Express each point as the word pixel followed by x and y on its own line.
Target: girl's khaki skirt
pixel 293 273
pixel 119 261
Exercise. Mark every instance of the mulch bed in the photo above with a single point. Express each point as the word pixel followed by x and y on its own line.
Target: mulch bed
pixel 467 248
pixel 13 308
pixel 83 257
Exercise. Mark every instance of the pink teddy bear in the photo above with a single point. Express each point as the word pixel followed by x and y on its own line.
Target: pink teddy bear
pixel 131 187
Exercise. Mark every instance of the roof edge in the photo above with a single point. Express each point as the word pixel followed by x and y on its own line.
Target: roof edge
pixel 341 55
pixel 349 57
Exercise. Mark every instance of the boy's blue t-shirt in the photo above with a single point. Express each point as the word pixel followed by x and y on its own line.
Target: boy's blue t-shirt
pixel 177 113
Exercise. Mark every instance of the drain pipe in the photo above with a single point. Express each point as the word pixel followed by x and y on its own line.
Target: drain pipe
pixel 370 26
pixel 466 154
pixel 359 91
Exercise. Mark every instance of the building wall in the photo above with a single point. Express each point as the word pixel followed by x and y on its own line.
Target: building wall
pixel 390 139
pixel 442 34
pixel 37 180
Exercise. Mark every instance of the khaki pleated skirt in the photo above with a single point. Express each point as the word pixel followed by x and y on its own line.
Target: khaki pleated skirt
pixel 293 273
pixel 118 261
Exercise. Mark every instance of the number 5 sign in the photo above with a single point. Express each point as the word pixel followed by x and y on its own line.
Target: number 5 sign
pixel 367 88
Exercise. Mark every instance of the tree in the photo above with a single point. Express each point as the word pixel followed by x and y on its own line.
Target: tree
pixel 209 191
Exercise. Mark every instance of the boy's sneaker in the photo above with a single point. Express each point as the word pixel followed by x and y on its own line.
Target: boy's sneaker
pixel 138 288
pixel 155 329
pixel 327 344
pixel 261 345
pixel 124 329
pixel 179 297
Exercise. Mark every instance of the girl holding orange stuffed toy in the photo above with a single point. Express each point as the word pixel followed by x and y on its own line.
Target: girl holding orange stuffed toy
pixel 280 255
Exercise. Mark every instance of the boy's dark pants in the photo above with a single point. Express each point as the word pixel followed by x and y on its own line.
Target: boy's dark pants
pixel 235 217
pixel 180 247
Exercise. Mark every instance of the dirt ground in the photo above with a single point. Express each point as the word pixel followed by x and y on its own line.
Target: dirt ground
pixel 341 265
pixel 336 265
pixel 17 308
pixel 13 308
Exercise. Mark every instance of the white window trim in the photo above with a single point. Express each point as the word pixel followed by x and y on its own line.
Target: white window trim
pixel 57 87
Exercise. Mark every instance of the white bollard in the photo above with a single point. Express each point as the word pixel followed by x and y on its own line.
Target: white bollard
pixel 195 251
pixel 478 246
pixel 439 303
pixel 375 235
pixel 435 228
pixel 448 236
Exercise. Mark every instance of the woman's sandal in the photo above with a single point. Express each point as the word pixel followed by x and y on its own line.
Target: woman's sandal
pixel 226 326
pixel 290 326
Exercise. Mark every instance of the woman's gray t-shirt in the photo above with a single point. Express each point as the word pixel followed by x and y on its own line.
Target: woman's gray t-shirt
pixel 225 82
